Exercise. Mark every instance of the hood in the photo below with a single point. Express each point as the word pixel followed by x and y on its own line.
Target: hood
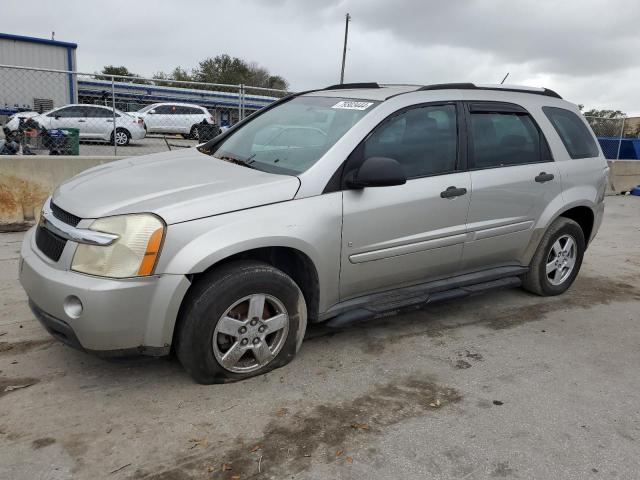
pixel 177 186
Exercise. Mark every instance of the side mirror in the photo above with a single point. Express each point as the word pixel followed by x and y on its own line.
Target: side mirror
pixel 57 117
pixel 152 112
pixel 377 172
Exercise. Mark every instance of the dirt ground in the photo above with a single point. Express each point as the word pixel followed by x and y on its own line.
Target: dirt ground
pixel 502 385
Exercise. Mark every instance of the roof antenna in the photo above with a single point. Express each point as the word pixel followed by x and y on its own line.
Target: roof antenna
pixel 344 50
pixel 505 77
pixel 53 35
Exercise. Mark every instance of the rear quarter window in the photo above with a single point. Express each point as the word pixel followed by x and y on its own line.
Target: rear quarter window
pixel 575 135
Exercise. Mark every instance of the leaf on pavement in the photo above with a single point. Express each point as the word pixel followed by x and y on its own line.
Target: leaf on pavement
pixel 360 426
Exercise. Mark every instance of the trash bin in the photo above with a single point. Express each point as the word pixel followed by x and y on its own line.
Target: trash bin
pixel 57 142
pixel 73 141
pixel 207 131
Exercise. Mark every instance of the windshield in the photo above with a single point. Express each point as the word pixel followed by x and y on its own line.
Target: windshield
pixel 293 136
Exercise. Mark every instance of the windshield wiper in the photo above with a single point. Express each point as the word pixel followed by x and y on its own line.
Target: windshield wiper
pixel 245 163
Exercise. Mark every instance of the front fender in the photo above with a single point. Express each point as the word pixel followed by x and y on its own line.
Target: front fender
pixel 311 225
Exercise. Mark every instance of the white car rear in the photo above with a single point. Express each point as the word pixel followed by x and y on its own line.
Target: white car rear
pixel 181 118
pixel 14 120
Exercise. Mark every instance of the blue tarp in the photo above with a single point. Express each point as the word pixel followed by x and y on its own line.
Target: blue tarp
pixel 629 148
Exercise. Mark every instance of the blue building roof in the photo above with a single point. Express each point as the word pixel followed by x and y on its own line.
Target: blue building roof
pixel 43 41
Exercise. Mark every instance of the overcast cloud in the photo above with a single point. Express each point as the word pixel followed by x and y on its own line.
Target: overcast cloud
pixel 587 50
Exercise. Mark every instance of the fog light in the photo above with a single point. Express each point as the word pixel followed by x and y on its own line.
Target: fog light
pixel 72 306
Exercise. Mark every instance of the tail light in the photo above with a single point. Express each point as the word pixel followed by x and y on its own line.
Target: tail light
pixel 139 121
pixel 211 120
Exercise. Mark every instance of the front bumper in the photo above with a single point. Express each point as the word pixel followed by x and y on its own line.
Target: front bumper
pixel 135 315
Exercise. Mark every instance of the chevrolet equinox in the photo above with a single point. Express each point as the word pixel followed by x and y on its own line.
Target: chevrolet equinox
pixel 336 205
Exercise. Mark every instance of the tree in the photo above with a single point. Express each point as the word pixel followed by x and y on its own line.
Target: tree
pixel 222 69
pixel 233 70
pixel 219 69
pixel 604 113
pixel 178 74
pixel 122 71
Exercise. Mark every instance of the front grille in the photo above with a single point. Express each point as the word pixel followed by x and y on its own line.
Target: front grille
pixel 49 243
pixel 64 216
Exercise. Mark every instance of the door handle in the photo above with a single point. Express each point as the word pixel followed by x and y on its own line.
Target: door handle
pixel 452 192
pixel 544 177
pixel 109 120
pixel 81 121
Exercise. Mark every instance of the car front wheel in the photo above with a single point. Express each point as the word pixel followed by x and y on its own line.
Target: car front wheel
pixel 557 261
pixel 240 320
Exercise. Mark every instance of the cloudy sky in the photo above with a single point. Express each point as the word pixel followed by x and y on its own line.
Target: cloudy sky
pixel 587 50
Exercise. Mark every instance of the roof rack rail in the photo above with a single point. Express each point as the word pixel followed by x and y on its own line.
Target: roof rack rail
pixel 470 86
pixel 349 86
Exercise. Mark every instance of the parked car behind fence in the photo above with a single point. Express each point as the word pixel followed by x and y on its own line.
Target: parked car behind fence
pixel 95 122
pixel 181 118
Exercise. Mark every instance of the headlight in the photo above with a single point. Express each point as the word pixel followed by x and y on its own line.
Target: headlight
pixel 134 254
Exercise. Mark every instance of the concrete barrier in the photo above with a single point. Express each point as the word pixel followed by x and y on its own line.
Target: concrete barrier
pixel 624 176
pixel 27 180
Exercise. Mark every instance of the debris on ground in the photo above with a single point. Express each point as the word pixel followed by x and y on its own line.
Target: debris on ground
pixel 199 442
pixel 360 426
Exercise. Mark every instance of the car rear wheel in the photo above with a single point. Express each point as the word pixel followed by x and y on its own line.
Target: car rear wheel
pixel 122 137
pixel 240 320
pixel 193 133
pixel 557 261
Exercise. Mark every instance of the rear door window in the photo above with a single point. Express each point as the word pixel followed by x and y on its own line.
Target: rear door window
pixel 573 132
pixel 503 138
pixel 68 112
pixel 191 111
pixel 97 112
pixel 166 110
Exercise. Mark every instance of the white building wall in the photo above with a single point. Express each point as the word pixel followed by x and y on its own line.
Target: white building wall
pixel 21 87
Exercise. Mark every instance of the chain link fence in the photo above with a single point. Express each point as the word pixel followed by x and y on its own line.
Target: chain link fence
pixel 44 111
pixel 610 132
pixel 619 138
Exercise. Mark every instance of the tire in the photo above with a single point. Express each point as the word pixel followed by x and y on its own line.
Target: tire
pixel 210 327
pixel 193 133
pixel 559 278
pixel 123 137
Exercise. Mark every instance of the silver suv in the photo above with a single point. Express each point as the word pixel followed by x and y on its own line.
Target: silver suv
pixel 335 205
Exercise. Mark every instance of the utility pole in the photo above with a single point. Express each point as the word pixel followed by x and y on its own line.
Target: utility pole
pixel 344 50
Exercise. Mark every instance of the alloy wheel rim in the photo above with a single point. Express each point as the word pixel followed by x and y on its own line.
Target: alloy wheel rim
pixel 250 333
pixel 121 138
pixel 561 260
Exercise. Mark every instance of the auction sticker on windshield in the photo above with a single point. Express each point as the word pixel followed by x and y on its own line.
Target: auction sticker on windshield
pixel 351 105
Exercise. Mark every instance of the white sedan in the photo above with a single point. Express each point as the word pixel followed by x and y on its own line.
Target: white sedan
pixel 95 122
